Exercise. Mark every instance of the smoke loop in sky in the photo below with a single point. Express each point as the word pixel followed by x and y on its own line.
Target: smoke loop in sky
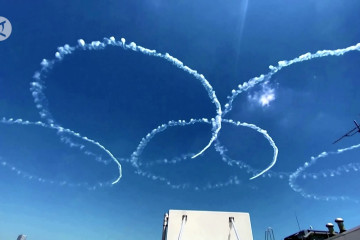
pixel 264 98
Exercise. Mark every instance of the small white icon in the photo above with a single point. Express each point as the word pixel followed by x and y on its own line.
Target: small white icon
pixel 5 28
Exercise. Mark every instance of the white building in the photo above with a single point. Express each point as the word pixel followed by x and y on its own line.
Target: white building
pixel 206 225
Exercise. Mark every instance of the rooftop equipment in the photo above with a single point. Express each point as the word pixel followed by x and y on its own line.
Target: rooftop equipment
pixel 340 223
pixel 352 234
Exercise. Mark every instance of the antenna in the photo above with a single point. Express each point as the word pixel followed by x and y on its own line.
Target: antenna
pixel 297 220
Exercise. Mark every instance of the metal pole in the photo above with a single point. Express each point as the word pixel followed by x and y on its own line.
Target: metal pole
pixel 165 224
pixel 233 224
pixel 184 218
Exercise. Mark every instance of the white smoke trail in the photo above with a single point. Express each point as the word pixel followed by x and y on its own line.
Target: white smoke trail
pixel 40 99
pixel 171 161
pixel 333 172
pixel 70 132
pixel 32 177
pixel 313 160
pixel 266 135
pixel 282 64
pixel 266 77
pixel 233 180
pixel 144 142
pixel 243 166
pixel 37 90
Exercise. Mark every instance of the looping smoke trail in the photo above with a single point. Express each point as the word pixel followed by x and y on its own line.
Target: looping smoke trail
pixel 313 160
pixel 331 172
pixel 282 64
pixel 232 180
pixel 31 177
pixel 172 161
pixel 266 135
pixel 143 143
pixel 241 165
pixel 70 132
pixel 41 102
pixel 40 99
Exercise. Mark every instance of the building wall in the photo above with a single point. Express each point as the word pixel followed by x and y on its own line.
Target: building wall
pixel 203 225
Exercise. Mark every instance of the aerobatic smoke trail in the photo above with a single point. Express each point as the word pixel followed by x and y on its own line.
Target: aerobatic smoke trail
pixel 265 134
pixel 70 132
pixel 331 172
pixel 282 64
pixel 40 99
pixel 41 102
pixel 32 177
pixel 143 143
pixel 313 160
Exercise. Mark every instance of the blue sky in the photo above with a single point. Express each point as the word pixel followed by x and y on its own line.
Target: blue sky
pixel 116 97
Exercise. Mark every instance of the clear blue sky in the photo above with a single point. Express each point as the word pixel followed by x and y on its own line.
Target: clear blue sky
pixel 116 97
